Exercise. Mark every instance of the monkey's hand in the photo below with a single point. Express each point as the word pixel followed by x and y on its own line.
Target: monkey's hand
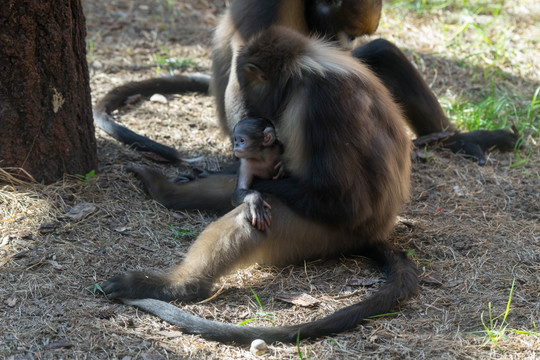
pixel 259 210
pixel 280 168
pixel 475 143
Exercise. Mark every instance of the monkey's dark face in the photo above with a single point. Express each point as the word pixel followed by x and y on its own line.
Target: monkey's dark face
pixel 240 144
pixel 335 18
pixel 245 142
pixel 250 136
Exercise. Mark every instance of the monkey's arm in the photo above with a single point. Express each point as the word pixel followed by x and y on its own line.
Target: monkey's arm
pixel 242 194
pixel 421 107
pixel 258 207
pixel 324 205
pixel 118 97
pixel 281 172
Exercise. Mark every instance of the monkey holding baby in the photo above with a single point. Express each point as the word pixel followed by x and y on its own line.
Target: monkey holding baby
pixel 347 156
pixel 345 149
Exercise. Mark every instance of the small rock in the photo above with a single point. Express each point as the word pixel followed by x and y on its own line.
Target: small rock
pixel 159 99
pixel 4 241
pixel 258 347
pixel 97 65
pixel 12 301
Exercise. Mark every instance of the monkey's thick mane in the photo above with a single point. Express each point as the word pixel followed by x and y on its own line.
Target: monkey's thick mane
pixel 324 57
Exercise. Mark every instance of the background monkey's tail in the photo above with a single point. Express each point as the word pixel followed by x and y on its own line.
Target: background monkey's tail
pixel 119 96
pixel 402 282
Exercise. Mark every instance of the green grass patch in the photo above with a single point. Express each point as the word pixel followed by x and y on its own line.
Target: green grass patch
pixel 172 63
pixel 496 111
pixel 480 36
pixel 496 327
pixel 300 354
pixel 468 6
pixel 264 315
pixel 94 289
pixel 181 234
pixel 86 177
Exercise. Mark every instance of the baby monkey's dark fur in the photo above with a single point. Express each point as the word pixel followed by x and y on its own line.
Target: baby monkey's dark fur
pixel 259 151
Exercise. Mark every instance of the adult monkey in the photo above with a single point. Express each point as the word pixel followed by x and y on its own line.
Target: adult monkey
pixel 308 215
pixel 334 19
pixel 348 155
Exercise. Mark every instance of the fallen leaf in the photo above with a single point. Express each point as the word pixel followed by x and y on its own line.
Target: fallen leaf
pixel 55 265
pixel 300 299
pixel 105 312
pixel 24 234
pixel 80 211
pixel 408 223
pixel 12 301
pixel 48 227
pixel 431 278
pixel 171 334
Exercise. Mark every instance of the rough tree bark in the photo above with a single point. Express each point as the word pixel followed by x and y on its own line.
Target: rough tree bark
pixel 46 125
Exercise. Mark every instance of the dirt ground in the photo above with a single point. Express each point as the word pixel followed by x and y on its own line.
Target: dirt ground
pixel 472 230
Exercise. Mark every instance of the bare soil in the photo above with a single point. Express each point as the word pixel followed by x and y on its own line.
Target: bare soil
pixel 472 230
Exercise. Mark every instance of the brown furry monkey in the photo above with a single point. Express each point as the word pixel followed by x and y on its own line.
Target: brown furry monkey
pixel 340 20
pixel 348 156
pixel 259 151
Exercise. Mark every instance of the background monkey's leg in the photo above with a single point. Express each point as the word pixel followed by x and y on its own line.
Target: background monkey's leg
pixel 212 193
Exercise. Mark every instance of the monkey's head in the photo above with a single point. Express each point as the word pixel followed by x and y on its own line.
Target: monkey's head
pixel 251 135
pixel 343 20
pixel 267 69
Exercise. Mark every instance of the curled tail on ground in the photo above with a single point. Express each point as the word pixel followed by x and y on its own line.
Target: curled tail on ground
pixel 402 283
pixel 118 97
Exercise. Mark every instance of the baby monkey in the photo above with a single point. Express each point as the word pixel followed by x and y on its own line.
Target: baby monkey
pixel 259 151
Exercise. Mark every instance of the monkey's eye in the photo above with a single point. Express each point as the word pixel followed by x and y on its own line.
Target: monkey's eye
pixel 239 139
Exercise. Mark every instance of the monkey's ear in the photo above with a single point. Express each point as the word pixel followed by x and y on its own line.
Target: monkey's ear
pixel 269 136
pixel 254 73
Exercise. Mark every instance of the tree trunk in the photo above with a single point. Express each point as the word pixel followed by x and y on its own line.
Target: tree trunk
pixel 46 125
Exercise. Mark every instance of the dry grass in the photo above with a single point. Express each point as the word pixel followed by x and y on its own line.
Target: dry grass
pixel 474 229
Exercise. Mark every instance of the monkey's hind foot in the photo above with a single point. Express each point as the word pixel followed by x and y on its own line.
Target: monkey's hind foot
pixel 140 285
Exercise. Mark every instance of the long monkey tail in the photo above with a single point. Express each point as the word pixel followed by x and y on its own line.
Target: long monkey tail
pixel 117 98
pixel 402 282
